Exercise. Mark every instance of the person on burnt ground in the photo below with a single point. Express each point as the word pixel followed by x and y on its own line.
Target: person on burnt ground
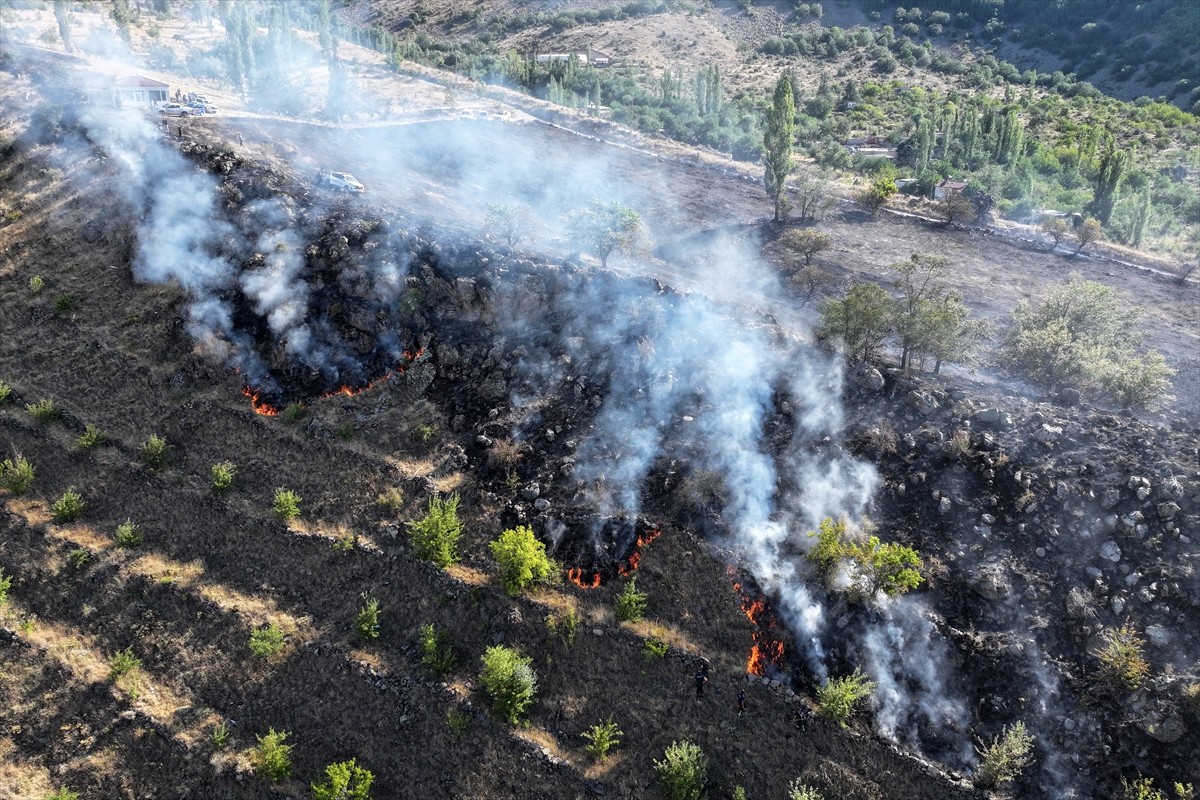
pixel 701 678
pixel 741 703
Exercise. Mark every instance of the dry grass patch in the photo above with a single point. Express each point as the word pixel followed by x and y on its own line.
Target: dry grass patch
pixel 256 610
pixel 543 740
pixel 20 779
pixel 34 512
pixel 674 638
pixel 165 570
pixel 468 575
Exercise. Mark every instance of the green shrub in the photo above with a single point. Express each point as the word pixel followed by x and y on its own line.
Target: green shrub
pixel 601 738
pixel 631 604
pixel 1191 693
pixel 122 663
pixel 522 558
pixel 510 681
pixel 344 780
pixel 1122 662
pixel 78 558
pixel 62 794
pixel 458 722
pixel 5 392
pixel 799 791
pixel 292 412
pixel 16 474
pixel 367 623
pixel 390 501
pixel 154 451
pixel 220 735
pixel 69 507
pixel 128 534
pixel 5 585
pixel 565 624
pixel 266 641
pixel 1140 789
pixel 64 303
pixel 272 759
pixel 44 410
pixel 345 431
pixel 838 697
pixel 1005 757
pixel 91 437
pixel 655 649
pixel 873 566
pixel 222 476
pixel 436 652
pixel 346 543
pixel 286 505
pixel 36 284
pixel 683 771
pixel 435 536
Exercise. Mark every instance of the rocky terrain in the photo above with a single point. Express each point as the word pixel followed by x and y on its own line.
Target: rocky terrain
pixel 642 426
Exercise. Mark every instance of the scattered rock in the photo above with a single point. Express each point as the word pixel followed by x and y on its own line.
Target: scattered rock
pixel 990 581
pixel 867 377
pixel 1110 551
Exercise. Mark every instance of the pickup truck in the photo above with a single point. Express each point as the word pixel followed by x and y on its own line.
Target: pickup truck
pixel 342 181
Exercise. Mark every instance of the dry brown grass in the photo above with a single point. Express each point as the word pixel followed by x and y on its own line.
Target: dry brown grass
pixel 20 779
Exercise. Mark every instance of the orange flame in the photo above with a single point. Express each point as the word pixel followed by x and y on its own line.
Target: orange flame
pixel 407 358
pixel 577 578
pixel 766 647
pixel 635 558
pixel 259 405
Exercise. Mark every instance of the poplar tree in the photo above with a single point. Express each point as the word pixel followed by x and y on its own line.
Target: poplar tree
pixel 777 145
pixel 62 15
pixel 1108 179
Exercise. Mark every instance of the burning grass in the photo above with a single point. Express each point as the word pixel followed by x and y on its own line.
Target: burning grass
pixel 767 650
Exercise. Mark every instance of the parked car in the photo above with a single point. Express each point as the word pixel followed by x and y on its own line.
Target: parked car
pixel 176 110
pixel 342 181
pixel 202 107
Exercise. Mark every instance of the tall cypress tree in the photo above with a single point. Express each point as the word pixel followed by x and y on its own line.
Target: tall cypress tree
pixel 1108 180
pixel 777 144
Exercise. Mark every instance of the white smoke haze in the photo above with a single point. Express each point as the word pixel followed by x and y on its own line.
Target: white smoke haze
pixel 669 356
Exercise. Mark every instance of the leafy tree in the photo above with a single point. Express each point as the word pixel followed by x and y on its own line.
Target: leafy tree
pixel 956 207
pixel 62 15
pixel 1056 229
pixel 810 196
pixel 601 738
pixel 5 585
pixel 919 285
pixel 806 241
pixel 1090 231
pixel 777 145
pixel 435 536
pixel 1111 170
pixel 631 604
pixel 344 780
pixel 511 223
pixel 272 759
pixel 510 681
pixel 872 565
pixel 683 771
pixel 122 14
pixel 810 280
pixel 837 698
pixel 877 194
pixel 436 652
pixel 522 557
pixel 366 625
pixel 68 507
pixel 286 504
pixel 266 641
pixel 800 791
pixel 605 228
pixel 16 474
pixel 1005 757
pixel 861 320
pixel 1080 336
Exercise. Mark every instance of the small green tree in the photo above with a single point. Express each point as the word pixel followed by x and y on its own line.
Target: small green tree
pixel 1056 228
pixel 266 641
pixel 436 651
pixel 683 771
pixel 602 737
pixel 91 437
pixel 5 585
pixel 345 780
pixel 5 392
pixel 1005 757
pixel 1088 232
pixel 876 195
pixel 154 451
pixel 62 794
pixel 367 623
pixel 69 507
pixel 837 698
pixel 222 476
pixel 44 410
pixel 509 222
pixel 286 505
pixel 16 474
pixel 1122 658
pixel 522 558
pixel 604 228
pixel 861 321
pixel 956 207
pixel 631 604
pixel 128 535
pixel 806 241
pixel 800 791
pixel 122 663
pixel 272 759
pixel 510 681
pixel 435 536
pixel 565 624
